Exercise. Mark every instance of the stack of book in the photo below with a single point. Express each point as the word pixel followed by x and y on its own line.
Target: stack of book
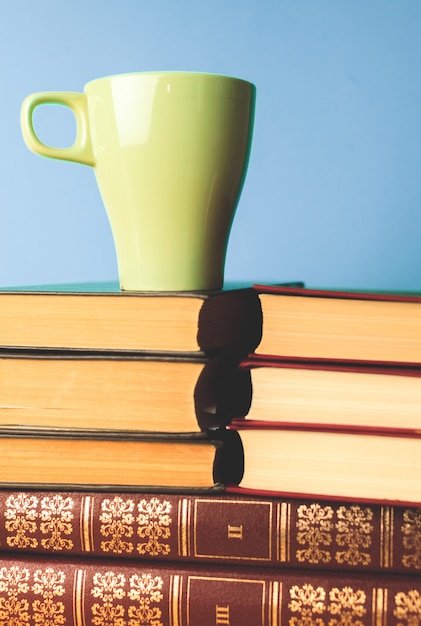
pixel 122 389
pixel 336 384
pixel 333 440
pixel 148 479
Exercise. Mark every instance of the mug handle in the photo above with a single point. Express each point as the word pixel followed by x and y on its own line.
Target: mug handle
pixel 81 151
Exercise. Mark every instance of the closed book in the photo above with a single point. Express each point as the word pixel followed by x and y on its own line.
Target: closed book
pixel 253 457
pixel 101 317
pixel 201 529
pixel 101 459
pixel 82 592
pixel 126 391
pixel 348 464
pixel 330 393
pixel 316 323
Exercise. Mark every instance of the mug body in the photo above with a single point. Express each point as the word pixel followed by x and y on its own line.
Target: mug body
pixel 171 151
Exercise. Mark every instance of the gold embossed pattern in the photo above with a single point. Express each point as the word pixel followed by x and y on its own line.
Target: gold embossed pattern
pixel 326 536
pixel 411 530
pixel 144 590
pixel 323 531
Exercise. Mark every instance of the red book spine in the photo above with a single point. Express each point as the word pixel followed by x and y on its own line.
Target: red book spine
pixel 285 290
pixel 81 592
pixel 230 529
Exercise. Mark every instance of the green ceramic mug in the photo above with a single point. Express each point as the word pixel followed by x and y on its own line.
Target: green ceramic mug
pixel 170 152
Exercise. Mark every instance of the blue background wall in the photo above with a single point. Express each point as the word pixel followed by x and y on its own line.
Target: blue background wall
pixel 333 192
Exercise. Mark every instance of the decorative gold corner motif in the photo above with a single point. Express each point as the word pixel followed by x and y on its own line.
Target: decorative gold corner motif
pixel 408 608
pixel 154 526
pixel 314 529
pixel 411 531
pixel 354 530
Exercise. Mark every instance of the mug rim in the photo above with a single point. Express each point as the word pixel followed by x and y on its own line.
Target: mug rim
pixel 172 73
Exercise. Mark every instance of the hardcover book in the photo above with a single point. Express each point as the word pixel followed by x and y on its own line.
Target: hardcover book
pixel 101 591
pixel 100 317
pixel 122 460
pixel 230 530
pixel 306 461
pixel 257 459
pixel 315 323
pixel 335 394
pixel 125 391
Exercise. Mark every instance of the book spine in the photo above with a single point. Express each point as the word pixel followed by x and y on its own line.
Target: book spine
pixel 299 289
pixel 119 592
pixel 227 529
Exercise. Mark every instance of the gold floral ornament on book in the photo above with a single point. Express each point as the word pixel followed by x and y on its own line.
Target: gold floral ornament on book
pixel 310 602
pixel 336 607
pixel 55 514
pixel 408 608
pixel 154 525
pixel 411 530
pixel 145 590
pixel 94 593
pixel 28 598
pixel 46 587
pixel 26 516
pixel 323 531
pixel 166 528
pixel 316 528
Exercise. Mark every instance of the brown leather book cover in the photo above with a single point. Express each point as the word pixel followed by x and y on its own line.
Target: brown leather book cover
pixel 221 528
pixel 123 592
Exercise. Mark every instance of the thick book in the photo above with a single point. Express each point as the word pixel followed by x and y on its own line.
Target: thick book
pixel 226 529
pixel 315 323
pixel 306 461
pixel 121 460
pixel 331 393
pixel 247 457
pixel 129 391
pixel 87 317
pixel 120 592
